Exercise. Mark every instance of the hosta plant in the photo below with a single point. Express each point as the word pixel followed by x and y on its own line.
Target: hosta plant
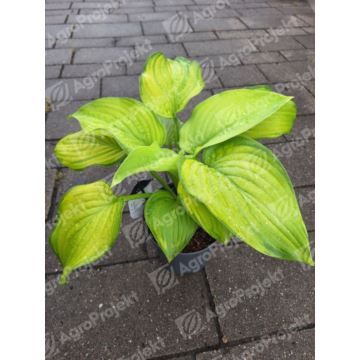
pixel 223 179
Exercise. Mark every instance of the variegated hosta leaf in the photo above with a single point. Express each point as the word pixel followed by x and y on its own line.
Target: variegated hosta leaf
pixel 166 85
pixel 203 216
pixel 228 114
pixel 82 149
pixel 128 120
pixel 168 221
pixel 89 222
pixel 146 158
pixel 280 123
pixel 171 130
pixel 244 186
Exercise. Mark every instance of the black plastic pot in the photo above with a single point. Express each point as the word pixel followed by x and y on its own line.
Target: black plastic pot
pixel 189 263
pixel 184 263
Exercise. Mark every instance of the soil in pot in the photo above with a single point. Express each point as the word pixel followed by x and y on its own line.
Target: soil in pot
pixel 200 241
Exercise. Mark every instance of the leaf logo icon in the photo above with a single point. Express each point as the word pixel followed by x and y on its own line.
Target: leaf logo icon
pixel 177 26
pixel 59 93
pixel 163 279
pixel 50 346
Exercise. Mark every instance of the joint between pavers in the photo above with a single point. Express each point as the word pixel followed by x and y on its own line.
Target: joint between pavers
pixel 213 307
pixel 102 266
pixel 52 210
pixel 251 339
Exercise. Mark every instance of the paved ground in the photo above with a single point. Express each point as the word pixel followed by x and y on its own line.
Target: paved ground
pixel 243 305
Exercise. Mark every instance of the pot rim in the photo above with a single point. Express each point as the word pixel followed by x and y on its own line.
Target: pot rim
pixel 194 253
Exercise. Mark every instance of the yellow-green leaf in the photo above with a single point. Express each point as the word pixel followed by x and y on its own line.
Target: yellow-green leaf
pixel 166 85
pixel 245 186
pixel 130 122
pixel 146 158
pixel 168 221
pixel 82 149
pixel 279 123
pixel 88 224
pixel 203 216
pixel 226 115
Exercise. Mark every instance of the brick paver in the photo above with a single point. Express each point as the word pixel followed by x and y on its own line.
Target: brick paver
pixel 90 47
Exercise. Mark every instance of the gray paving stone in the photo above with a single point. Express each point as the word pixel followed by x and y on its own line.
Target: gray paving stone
pixel 219 47
pixel 171 8
pixel 58 125
pixel 173 2
pixel 217 24
pixel 135 40
pixel 136 68
pixel 278 43
pixel 241 75
pixel 101 55
pixel 151 16
pixel 306 200
pixel 298 158
pixel 54 32
pixel 148 317
pixel 296 345
pixel 86 43
pixel 309 19
pixel 266 11
pixel 261 58
pixel 58 6
pixel 305 101
pixel 295 55
pixel 51 162
pixel 290 295
pixel 287 71
pixel 121 86
pixel 96 5
pixel 307 40
pixel 55 19
pixel 52 72
pixel 127 10
pixel 60 12
pixel 196 36
pixel 58 56
pixel 64 91
pixel 239 34
pixel 296 10
pixel 93 70
pixel 49 188
pixel 310 85
pixel 108 30
pixel 157 27
pixel 265 22
pixel 204 11
pixel 130 244
pixel 169 50
pixel 290 32
pixel 304 127
pixel 309 29
pixel 103 19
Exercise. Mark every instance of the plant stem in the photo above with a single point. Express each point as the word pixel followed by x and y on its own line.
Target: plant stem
pixel 162 182
pixel 137 196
